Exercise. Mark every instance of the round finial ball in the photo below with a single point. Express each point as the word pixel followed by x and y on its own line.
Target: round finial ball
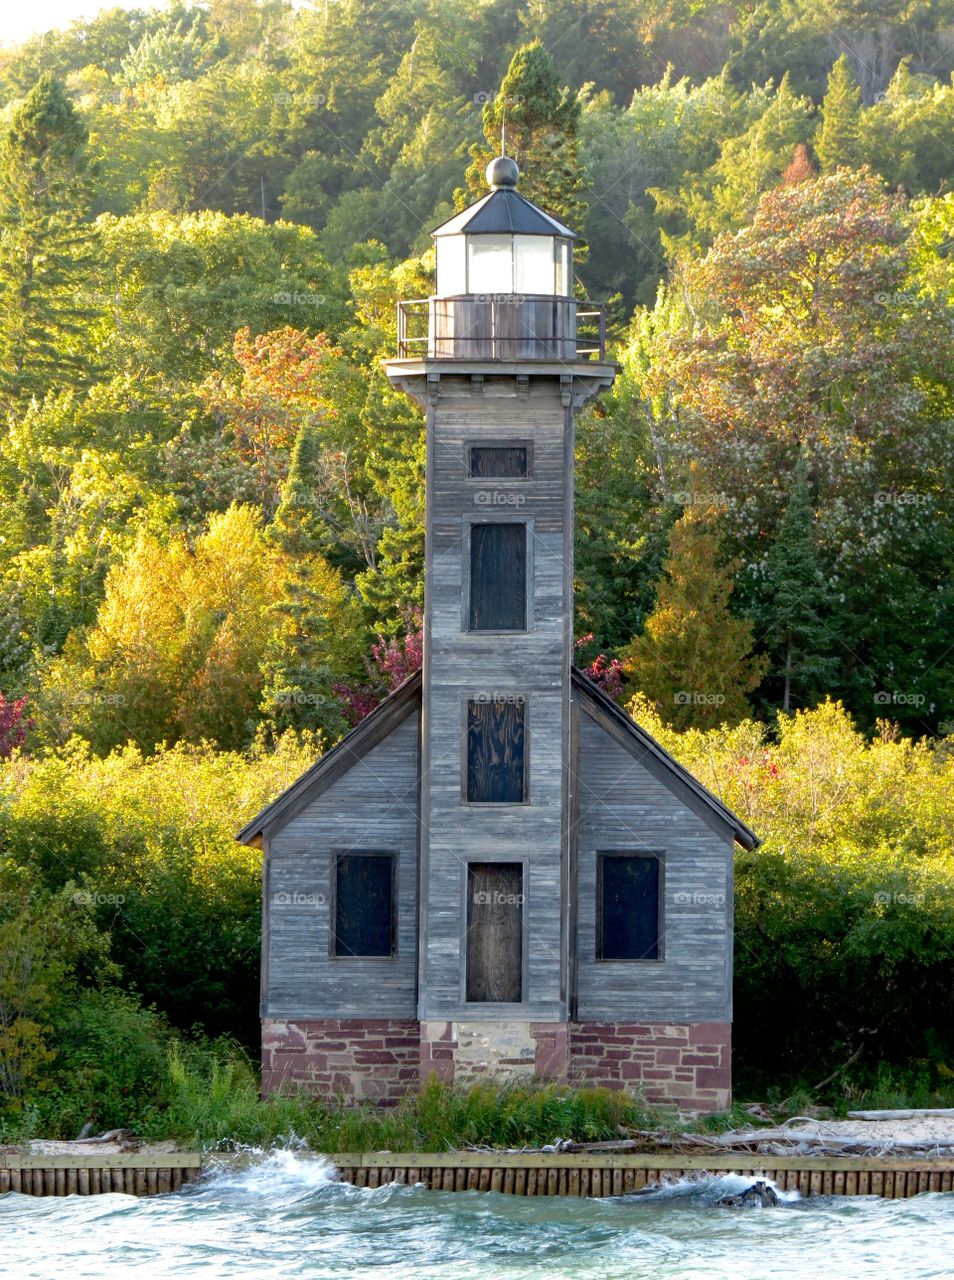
pixel 502 172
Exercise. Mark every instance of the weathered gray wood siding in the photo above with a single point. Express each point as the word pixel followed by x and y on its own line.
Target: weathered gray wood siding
pixel 372 806
pixel 621 805
pixel 460 664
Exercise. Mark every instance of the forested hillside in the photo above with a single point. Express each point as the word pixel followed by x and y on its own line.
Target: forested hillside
pixel 212 500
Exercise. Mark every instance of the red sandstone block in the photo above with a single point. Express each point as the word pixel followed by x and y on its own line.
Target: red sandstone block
pixel 713 1077
pixel 616 1055
pixel 669 1057
pixel 656 1073
pixel 714 1033
pixel 367 1056
pixel 713 1059
pixel 631 1071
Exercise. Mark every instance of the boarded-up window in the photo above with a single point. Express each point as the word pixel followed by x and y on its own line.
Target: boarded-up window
pixel 628 918
pixel 496 461
pixel 495 932
pixel 496 767
pixel 498 577
pixel 364 907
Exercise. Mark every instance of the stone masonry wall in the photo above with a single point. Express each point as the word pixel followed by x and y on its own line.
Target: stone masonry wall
pixel 686 1065
pixel 373 1060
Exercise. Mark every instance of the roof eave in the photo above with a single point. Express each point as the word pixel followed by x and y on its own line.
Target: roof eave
pixel 742 833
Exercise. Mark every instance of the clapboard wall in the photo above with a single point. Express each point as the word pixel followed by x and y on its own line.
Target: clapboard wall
pixel 373 805
pixel 622 805
pixel 460 664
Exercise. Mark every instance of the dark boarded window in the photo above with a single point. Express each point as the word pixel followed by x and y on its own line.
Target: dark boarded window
pixel 628 906
pixel 495 932
pixel 498 577
pixel 364 923
pixel 496 771
pixel 500 462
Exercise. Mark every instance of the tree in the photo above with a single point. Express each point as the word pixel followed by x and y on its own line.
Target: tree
pixel 321 637
pixel 46 245
pixel 794 598
pixel 694 658
pixel 541 121
pixel 14 724
pixel 837 141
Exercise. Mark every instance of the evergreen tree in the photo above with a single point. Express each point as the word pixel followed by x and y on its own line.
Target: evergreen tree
pixel 46 250
pixel 837 141
pixel 320 636
pixel 694 659
pixel 795 600
pixel 541 123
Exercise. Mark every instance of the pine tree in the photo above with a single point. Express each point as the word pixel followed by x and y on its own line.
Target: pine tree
pixel 694 658
pixel 321 638
pixel 541 124
pixel 837 141
pixel 46 242
pixel 796 594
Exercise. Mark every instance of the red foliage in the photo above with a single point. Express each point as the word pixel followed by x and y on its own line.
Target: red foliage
pixel 14 725
pixel 606 672
pixel 390 664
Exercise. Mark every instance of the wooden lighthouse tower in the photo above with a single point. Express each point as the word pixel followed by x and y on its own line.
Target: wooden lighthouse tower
pixel 498 872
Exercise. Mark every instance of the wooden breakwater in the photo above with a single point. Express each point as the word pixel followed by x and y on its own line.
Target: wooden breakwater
pixel 535 1174
pixel 526 1174
pixel 91 1175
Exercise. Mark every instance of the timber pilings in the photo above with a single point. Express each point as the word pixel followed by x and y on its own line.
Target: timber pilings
pixel 596 1174
pixel 132 1175
pixel 526 1174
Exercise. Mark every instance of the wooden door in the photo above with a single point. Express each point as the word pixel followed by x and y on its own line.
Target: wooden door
pixel 495 932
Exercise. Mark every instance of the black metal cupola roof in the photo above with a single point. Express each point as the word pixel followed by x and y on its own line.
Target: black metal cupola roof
pixel 504 211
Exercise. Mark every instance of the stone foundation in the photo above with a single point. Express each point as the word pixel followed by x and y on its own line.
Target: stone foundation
pixel 360 1060
pixel 686 1065
pixel 464 1052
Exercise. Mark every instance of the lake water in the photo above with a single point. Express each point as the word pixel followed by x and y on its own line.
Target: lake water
pixel 284 1215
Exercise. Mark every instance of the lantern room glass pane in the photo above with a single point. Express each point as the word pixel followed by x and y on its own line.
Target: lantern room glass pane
pixel 451 266
pixel 533 260
pixel 562 268
pixel 490 264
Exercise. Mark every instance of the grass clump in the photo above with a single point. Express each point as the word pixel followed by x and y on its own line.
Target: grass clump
pixel 214 1099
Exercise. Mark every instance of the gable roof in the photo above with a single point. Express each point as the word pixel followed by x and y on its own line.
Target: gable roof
pixel 621 726
pixel 375 726
pixel 406 699
pixel 504 212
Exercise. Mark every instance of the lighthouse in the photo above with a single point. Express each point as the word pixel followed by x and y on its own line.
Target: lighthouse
pixel 498 873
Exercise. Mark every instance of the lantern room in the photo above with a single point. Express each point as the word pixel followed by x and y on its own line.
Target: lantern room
pixel 504 285
pixel 504 244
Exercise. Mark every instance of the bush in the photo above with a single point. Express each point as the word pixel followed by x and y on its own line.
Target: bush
pixel 111 1066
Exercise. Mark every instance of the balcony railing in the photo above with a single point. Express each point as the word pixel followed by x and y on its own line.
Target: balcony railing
pixel 504 326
